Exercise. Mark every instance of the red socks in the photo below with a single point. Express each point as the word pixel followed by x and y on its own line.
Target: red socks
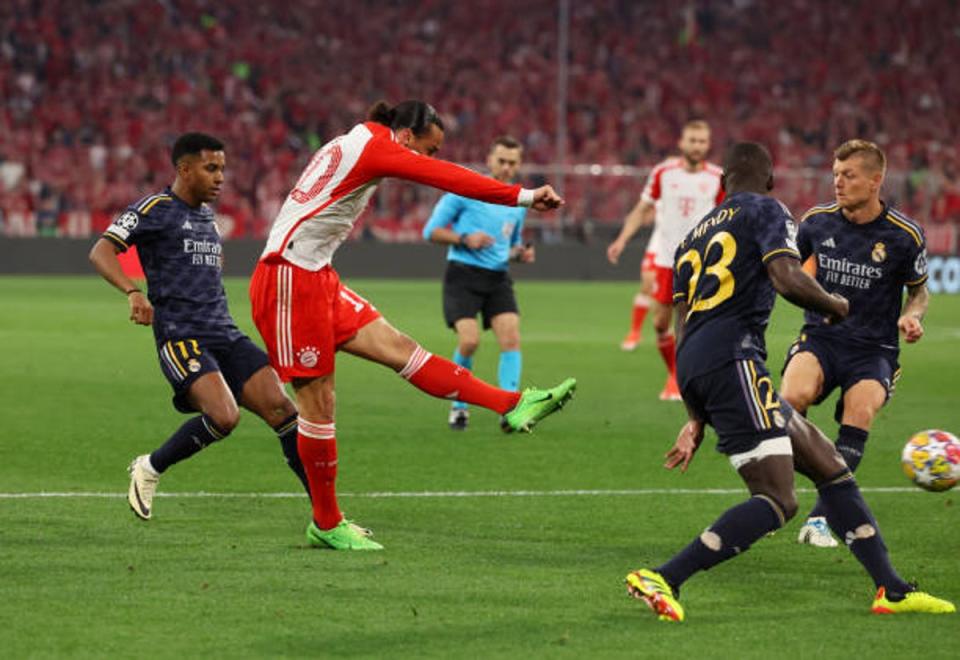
pixel 317 446
pixel 442 378
pixel 641 305
pixel 668 350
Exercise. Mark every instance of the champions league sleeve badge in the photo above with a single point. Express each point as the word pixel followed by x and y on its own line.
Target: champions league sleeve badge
pixel 123 225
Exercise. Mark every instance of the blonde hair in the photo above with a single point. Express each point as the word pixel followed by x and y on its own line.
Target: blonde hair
pixel 695 125
pixel 869 151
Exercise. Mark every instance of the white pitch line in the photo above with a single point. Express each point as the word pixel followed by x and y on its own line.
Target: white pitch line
pixel 638 492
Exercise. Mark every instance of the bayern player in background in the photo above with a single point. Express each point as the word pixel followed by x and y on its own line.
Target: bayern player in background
pixel 678 192
pixel 305 314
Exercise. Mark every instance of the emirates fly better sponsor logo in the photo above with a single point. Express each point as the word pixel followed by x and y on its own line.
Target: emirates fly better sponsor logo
pixel 203 253
pixel 847 273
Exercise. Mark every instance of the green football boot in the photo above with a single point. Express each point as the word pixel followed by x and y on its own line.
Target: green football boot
pixel 914 601
pixel 345 536
pixel 536 404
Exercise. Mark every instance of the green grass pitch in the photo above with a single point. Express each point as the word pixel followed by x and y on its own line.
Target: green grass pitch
pixel 528 559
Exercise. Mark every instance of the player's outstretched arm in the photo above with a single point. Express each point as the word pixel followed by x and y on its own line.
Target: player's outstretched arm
pixel 910 322
pixel 388 158
pixel 791 282
pixel 103 256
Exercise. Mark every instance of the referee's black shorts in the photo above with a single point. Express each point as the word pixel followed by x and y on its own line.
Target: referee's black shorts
pixel 468 290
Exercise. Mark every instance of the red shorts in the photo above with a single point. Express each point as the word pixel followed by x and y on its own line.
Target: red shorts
pixel 648 265
pixel 304 316
pixel 663 285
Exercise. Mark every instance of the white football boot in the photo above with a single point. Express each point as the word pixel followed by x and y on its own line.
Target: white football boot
pixel 816 532
pixel 143 485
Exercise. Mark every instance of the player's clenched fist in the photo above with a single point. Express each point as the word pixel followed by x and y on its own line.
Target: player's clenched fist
pixel 911 328
pixel 546 199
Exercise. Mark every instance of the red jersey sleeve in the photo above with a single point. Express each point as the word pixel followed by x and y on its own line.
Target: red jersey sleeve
pixel 383 157
pixel 651 191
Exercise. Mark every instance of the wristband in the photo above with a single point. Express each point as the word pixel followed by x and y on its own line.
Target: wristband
pixel 525 197
pixel 133 290
pixel 462 242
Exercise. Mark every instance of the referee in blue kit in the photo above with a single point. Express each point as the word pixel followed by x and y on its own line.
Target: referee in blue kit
pixel 483 239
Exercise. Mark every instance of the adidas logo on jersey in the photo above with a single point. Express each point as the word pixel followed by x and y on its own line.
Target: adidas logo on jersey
pixel 829 243
pixel 187 225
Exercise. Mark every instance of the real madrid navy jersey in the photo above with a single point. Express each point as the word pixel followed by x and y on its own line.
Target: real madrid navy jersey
pixel 868 264
pixel 181 253
pixel 720 271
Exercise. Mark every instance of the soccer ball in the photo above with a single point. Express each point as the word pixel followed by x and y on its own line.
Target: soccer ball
pixel 931 460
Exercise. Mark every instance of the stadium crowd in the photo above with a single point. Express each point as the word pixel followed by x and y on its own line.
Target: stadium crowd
pixel 92 93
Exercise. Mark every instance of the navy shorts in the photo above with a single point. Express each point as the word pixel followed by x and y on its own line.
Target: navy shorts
pixel 739 401
pixel 184 360
pixel 469 290
pixel 844 364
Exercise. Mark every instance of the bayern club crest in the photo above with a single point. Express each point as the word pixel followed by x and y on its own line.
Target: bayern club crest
pixel 308 357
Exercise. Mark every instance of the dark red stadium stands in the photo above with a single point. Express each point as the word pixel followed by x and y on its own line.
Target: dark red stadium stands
pixel 93 93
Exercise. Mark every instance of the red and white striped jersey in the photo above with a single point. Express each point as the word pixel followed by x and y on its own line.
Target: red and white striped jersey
pixel 336 185
pixel 682 198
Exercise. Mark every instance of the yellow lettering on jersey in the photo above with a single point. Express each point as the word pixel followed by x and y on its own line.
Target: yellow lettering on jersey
pixel 723 216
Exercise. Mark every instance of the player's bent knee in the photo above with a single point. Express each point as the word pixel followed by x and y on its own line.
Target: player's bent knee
pixel 789 506
pixel 276 410
pixel 224 420
pixel 276 400
pixel 784 504
pixel 468 347
pixel 800 398
pixel 861 413
pixel 861 418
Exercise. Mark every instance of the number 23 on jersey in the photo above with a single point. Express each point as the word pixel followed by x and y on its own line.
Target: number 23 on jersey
pixel 721 249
